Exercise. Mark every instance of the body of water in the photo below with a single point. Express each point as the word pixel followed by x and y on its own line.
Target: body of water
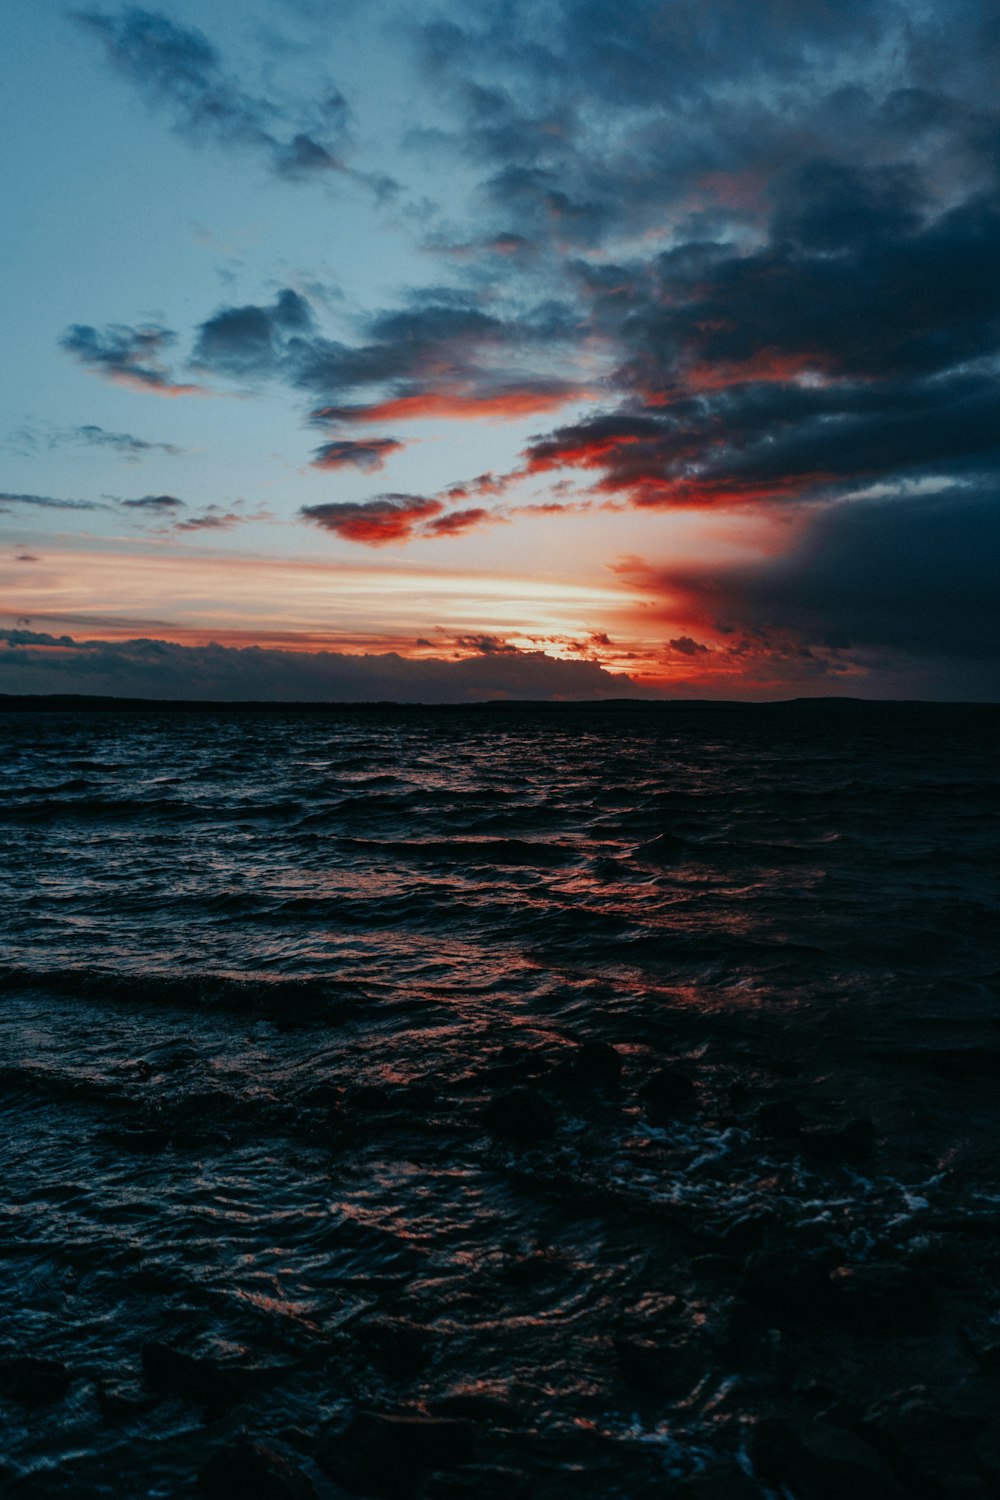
pixel 609 1091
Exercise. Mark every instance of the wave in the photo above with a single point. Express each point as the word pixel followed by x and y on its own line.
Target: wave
pixel 483 851
pixel 265 994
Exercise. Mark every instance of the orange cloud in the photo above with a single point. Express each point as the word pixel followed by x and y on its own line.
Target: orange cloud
pixel 461 520
pixel 374 523
pixel 767 365
pixel 504 405
pixel 346 453
pixel 153 388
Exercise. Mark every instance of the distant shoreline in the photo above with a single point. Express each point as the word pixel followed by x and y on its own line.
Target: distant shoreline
pixel 100 703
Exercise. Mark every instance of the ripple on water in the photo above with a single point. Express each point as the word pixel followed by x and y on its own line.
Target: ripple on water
pixel 254 1004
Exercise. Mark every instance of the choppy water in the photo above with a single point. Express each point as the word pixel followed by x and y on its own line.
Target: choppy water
pixel 262 974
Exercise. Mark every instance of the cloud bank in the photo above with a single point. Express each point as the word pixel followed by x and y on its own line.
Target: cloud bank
pixel 36 662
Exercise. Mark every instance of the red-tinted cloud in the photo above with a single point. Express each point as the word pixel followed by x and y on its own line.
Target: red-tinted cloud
pixel 128 356
pixel 458 521
pixel 502 404
pixel 377 522
pixel 867 593
pixel 346 453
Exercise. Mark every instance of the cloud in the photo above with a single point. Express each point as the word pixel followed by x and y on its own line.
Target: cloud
pixel 36 662
pixel 214 519
pixel 127 356
pixel 397 519
pixel 158 504
pixel 132 449
pixel 806 201
pixel 252 340
pixel 882 584
pixel 475 400
pixel 441 357
pixel 483 484
pixel 459 521
pixel 129 447
pixel 857 345
pixel 768 441
pixel 347 453
pixel 177 68
pixel 417 350
pixel 377 522
pixel 685 646
pixel 167 508
pixel 485 645
pixel 752 246
pixel 653 55
pixel 48 502
pixel 889 303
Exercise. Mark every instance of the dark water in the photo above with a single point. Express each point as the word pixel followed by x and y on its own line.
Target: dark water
pixel 264 973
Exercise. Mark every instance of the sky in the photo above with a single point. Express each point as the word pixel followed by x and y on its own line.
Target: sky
pixel 450 351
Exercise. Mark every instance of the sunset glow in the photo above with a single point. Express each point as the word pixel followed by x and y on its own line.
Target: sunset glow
pixel 547 359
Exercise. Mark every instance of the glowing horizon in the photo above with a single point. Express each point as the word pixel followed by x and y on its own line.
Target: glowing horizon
pixel 514 350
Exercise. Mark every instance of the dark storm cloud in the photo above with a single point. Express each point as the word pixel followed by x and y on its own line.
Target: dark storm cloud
pixel 590 120
pixel 889 301
pixel 177 67
pixel 35 662
pixel 538 200
pixel 126 356
pixel 764 440
pixel 830 205
pixel 915 575
pixel 858 344
pixel 650 51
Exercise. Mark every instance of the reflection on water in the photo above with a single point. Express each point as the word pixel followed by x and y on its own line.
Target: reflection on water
pixel 264 976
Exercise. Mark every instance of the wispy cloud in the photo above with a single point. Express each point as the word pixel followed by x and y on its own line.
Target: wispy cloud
pixel 127 356
pixel 158 505
pixel 178 69
pixel 35 437
pixel 215 518
pixel 48 502
pixel 167 509
pixel 129 447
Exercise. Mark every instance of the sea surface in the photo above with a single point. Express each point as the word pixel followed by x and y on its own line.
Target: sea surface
pixel 306 1019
